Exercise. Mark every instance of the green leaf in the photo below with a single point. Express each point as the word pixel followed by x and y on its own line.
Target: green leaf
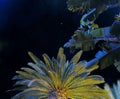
pixel 34 58
pixel 60 54
pixel 48 61
pixel 76 57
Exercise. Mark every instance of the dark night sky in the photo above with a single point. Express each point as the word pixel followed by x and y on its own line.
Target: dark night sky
pixel 40 26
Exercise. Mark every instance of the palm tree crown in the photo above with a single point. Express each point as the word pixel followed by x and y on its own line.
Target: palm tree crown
pixel 59 79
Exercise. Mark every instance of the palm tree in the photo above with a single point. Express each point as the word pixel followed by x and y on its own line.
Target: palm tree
pixel 58 79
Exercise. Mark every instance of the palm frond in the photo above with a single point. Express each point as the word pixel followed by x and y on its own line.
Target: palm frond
pixel 58 78
pixel 114 91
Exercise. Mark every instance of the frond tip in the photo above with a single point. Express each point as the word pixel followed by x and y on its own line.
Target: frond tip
pixel 114 91
pixel 59 79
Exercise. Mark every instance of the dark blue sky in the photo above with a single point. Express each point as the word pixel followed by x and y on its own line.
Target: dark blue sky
pixel 40 26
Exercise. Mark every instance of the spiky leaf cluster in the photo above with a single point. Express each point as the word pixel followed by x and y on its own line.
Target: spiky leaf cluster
pixel 59 79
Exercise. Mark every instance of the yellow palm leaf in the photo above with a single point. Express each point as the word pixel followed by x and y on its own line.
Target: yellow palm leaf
pixel 59 79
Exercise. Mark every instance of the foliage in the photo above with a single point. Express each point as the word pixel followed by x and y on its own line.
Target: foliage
pixel 80 40
pixel 87 36
pixel 82 5
pixel 63 79
pixel 114 91
pixel 59 79
pixel 115 29
pixel 113 57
